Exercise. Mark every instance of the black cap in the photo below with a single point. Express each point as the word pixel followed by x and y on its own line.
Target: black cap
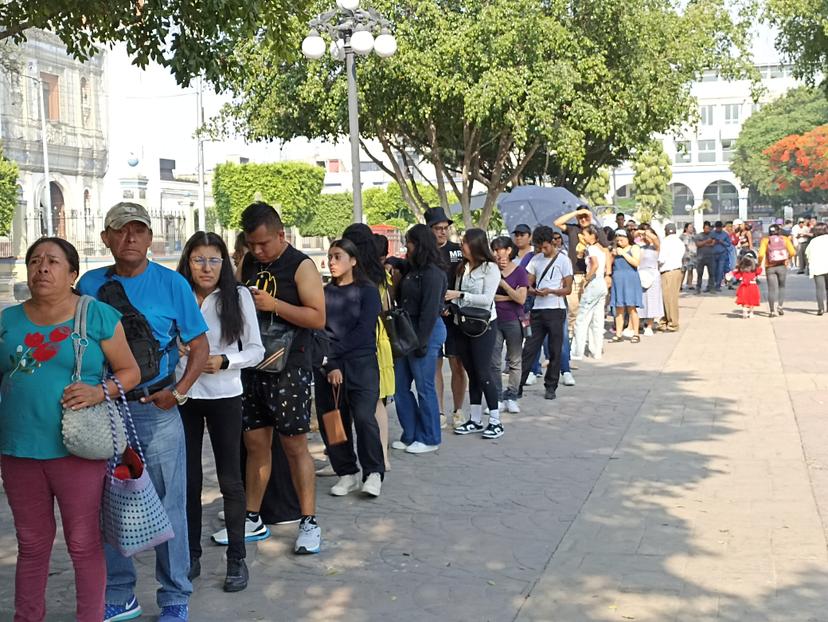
pixel 522 229
pixel 434 215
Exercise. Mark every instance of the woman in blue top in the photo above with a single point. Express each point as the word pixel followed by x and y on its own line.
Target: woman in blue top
pixel 352 307
pixel 36 362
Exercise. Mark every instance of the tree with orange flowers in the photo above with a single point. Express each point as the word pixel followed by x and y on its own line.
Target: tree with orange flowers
pixel 801 159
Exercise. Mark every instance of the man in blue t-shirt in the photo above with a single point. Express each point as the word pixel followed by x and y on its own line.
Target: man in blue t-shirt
pixel 166 300
pixel 721 248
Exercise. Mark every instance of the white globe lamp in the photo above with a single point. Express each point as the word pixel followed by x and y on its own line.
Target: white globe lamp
pixel 348 5
pixel 362 42
pixel 313 46
pixel 385 45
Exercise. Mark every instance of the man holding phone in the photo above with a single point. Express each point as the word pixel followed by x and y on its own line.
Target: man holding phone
pixel 550 281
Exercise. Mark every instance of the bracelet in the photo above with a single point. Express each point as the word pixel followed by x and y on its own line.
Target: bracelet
pixel 275 304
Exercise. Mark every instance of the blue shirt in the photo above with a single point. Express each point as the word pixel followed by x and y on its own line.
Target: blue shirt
pixel 37 364
pixel 723 242
pixel 166 300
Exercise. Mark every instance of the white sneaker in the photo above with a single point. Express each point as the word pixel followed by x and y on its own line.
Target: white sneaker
pixel 221 516
pixel 458 418
pixel 627 332
pixel 421 448
pixel 398 445
pixel 253 532
pixel 648 332
pixel 309 539
pixel 345 484
pixel 567 379
pixel 512 406
pixel 443 421
pixel 501 406
pixel 531 379
pixel 372 485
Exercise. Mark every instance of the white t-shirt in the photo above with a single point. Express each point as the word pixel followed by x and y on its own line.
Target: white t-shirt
pixel 553 279
pixel 597 251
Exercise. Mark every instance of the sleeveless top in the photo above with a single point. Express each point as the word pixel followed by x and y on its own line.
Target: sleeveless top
pixel 278 278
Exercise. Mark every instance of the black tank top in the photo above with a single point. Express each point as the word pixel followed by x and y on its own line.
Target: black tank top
pixel 278 278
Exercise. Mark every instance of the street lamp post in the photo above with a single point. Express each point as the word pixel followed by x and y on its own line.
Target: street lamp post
pixel 45 145
pixel 351 30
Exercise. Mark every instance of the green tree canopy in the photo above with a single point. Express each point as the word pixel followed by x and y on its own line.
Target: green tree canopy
pixel 802 37
pixel 798 111
pixel 291 187
pixel 190 38
pixel 491 93
pixel 9 174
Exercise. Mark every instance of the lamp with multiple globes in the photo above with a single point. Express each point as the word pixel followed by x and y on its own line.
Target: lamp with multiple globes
pixel 313 46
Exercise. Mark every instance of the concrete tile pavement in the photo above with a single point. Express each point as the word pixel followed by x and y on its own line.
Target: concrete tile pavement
pixel 683 477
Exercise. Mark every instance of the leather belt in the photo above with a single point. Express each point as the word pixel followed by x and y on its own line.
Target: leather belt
pixel 137 394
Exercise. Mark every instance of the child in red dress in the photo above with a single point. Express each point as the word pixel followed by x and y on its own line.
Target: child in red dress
pixel 747 295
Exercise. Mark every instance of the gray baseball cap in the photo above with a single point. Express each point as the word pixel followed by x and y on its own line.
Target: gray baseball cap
pixel 120 214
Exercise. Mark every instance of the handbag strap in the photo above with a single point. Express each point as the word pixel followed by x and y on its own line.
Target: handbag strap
pixel 79 339
pixel 336 391
pixel 122 409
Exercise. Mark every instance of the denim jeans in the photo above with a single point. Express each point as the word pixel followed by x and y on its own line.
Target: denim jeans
pixel 162 438
pixel 510 333
pixel 589 325
pixel 721 264
pixel 419 416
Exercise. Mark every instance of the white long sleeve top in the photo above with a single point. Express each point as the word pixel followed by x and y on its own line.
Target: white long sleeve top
pixel 246 352
pixel 479 287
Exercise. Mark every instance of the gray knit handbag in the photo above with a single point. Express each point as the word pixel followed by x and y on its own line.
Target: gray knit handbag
pixel 94 432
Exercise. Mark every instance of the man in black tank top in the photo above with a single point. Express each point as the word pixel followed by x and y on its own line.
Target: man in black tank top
pixel 286 288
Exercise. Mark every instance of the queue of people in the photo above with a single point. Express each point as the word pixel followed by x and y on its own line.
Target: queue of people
pixel 245 351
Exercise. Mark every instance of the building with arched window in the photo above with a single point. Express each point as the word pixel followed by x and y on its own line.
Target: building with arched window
pixel 701 153
pixel 75 137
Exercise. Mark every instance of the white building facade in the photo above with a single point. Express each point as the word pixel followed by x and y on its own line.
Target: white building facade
pixel 701 154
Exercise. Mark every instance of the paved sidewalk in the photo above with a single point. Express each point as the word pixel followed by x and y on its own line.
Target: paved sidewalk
pixel 682 478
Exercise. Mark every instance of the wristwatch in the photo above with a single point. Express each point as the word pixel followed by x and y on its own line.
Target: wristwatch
pixel 225 362
pixel 181 399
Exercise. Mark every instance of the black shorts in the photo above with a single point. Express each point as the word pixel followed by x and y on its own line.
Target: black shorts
pixel 282 401
pixel 450 346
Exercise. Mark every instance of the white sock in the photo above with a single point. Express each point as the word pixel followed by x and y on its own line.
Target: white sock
pixel 476 413
pixel 494 416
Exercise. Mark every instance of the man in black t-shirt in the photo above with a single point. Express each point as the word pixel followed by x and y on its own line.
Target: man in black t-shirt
pixel 452 254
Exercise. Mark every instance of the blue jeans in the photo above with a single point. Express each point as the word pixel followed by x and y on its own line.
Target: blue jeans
pixel 162 439
pixel 420 416
pixel 720 269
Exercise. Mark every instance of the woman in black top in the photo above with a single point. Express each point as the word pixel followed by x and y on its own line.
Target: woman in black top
pixel 421 293
pixel 352 307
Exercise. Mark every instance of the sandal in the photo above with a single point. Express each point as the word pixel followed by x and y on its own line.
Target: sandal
pixel 635 339
pixel 616 339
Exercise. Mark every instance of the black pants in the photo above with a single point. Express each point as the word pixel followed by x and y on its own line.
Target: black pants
pixel 357 405
pixel 709 262
pixel 545 323
pixel 476 355
pixel 224 423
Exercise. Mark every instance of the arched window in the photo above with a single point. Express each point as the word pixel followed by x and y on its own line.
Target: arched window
pixel 682 197
pixel 723 196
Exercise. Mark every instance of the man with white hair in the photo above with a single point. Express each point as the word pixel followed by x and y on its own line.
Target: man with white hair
pixel 670 258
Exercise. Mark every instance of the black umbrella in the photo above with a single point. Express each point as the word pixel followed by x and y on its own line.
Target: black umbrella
pixel 537 205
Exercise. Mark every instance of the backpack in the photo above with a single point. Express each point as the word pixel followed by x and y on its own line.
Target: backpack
pixel 777 249
pixel 145 347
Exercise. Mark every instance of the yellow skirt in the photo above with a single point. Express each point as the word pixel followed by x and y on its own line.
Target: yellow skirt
pixel 386 362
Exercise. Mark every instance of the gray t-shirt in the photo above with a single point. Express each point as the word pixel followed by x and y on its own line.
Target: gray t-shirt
pixel 704 251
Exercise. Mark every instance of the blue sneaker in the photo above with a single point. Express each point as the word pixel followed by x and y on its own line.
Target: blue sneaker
pixel 174 613
pixel 117 613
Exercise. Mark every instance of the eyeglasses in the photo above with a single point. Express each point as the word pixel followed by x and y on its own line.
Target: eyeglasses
pixel 556 238
pixel 212 262
pixel 440 228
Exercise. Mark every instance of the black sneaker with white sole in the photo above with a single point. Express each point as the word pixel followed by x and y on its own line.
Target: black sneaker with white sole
pixel 470 427
pixel 493 430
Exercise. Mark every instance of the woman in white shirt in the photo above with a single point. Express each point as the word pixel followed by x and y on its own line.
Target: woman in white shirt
pixel 817 254
pixel 215 398
pixel 478 277
pixel 589 325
